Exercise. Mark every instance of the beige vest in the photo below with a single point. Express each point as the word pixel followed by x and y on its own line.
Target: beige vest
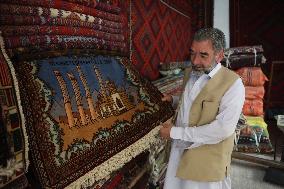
pixel 208 163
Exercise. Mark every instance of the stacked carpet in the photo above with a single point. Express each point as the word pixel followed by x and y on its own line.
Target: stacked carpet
pixel 244 56
pixel 252 134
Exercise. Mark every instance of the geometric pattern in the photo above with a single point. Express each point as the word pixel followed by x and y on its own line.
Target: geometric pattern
pixel 12 151
pixel 159 35
pixel 183 6
pixel 55 24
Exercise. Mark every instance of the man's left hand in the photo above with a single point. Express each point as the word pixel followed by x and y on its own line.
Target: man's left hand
pixel 166 129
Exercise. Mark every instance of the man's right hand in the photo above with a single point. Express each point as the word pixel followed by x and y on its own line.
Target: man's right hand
pixel 167 98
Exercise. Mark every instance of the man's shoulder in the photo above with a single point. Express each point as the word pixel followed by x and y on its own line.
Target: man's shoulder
pixel 234 77
pixel 229 73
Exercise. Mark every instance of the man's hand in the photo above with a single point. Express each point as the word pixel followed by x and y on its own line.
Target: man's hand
pixel 167 98
pixel 166 129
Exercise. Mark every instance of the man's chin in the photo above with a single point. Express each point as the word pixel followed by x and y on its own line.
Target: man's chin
pixel 198 69
pixel 198 72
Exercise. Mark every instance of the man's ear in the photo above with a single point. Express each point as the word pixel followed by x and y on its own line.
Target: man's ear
pixel 219 56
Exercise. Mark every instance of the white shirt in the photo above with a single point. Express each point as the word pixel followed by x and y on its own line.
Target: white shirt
pixel 190 137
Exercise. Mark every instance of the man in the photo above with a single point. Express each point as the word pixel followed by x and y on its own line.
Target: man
pixel 208 112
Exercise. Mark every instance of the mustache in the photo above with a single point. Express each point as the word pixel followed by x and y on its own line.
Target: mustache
pixel 197 67
pixel 202 68
pixel 198 70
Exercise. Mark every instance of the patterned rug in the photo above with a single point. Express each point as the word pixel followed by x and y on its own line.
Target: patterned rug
pixel 86 116
pixel 159 34
pixel 35 26
pixel 12 147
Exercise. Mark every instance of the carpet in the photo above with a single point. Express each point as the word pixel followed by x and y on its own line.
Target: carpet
pixel 159 34
pixel 12 147
pixel 85 115
pixel 35 26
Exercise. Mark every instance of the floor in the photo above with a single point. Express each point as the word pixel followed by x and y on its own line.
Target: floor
pixel 245 175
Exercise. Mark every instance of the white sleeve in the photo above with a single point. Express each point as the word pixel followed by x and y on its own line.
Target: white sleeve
pixel 223 126
pixel 175 101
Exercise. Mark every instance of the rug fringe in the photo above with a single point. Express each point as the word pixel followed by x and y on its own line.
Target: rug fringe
pixel 117 161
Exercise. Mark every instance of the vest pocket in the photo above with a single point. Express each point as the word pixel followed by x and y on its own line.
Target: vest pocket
pixel 209 112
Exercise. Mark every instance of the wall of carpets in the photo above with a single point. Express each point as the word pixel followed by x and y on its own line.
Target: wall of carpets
pixel 37 29
pixel 70 85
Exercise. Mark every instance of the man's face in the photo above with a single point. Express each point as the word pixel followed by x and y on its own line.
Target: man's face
pixel 203 56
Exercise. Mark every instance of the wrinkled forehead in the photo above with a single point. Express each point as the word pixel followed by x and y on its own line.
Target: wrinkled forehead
pixel 204 46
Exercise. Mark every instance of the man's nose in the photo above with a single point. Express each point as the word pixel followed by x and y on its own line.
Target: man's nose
pixel 195 59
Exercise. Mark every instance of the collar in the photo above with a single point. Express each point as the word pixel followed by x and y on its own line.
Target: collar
pixel 215 70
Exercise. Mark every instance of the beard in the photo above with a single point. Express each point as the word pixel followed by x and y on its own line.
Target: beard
pixel 200 69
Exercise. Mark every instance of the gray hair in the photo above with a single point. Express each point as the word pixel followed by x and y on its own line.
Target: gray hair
pixel 216 36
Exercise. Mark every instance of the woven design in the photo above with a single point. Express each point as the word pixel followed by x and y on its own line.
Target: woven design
pixel 78 111
pixel 245 56
pixel 12 152
pixel 182 6
pixel 35 26
pixel 160 34
pixel 54 34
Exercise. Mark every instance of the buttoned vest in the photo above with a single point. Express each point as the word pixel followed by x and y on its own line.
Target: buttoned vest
pixel 209 162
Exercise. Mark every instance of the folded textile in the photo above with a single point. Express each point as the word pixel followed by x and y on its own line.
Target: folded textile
pixel 260 127
pixel 243 56
pixel 104 6
pixel 49 7
pixel 55 13
pixel 240 125
pixel 243 50
pixel 252 139
pixel 45 20
pixel 265 145
pixel 51 43
pixel 254 92
pixel 12 31
pixel 257 121
pixel 252 76
pixel 88 46
pixel 243 60
pixel 253 107
pixel 247 141
pixel 43 40
pixel 26 54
